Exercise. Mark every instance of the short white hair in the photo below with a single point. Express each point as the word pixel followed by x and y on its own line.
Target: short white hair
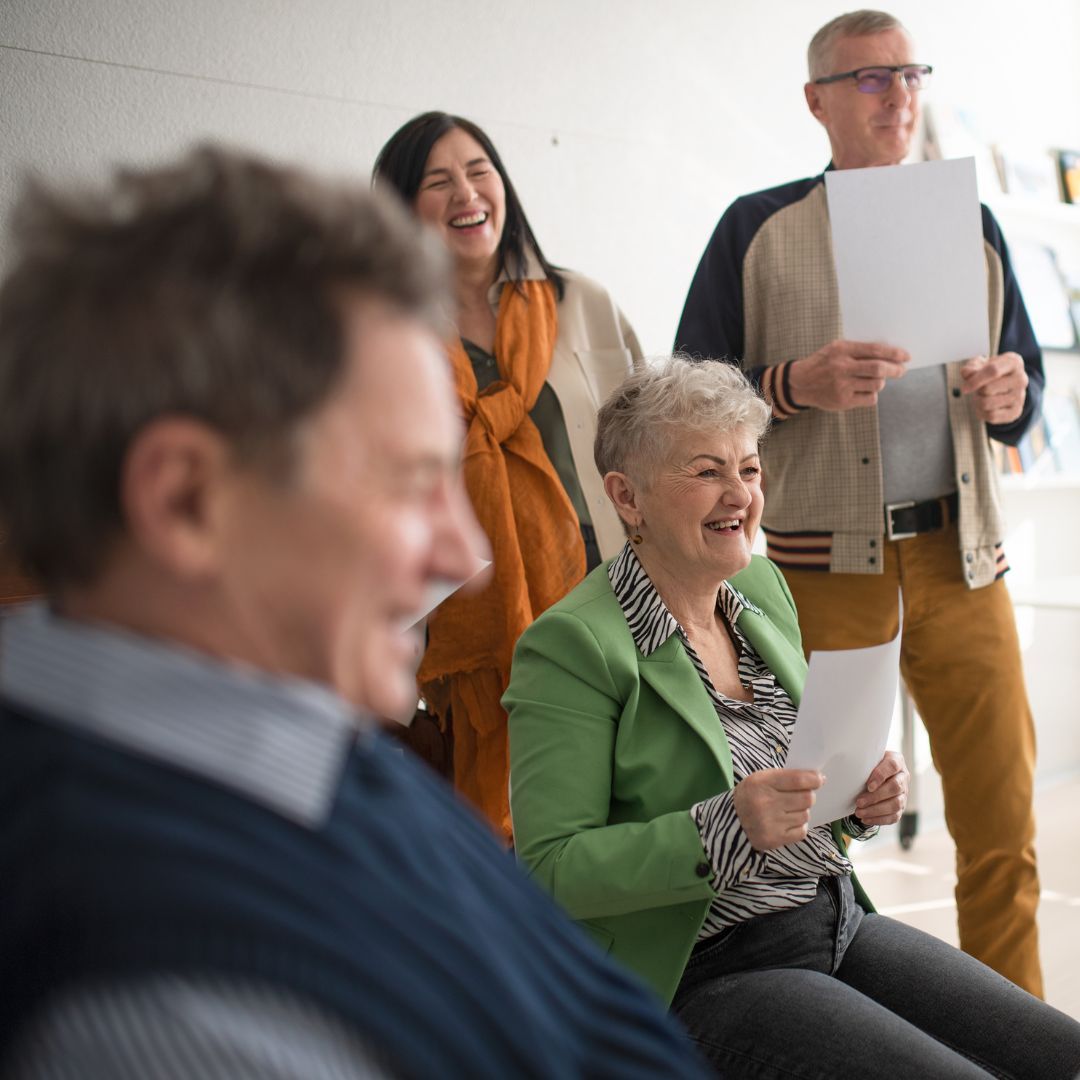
pixel 667 397
pixel 853 24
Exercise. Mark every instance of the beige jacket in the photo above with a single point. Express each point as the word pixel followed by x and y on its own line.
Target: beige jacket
pixel 825 467
pixel 595 350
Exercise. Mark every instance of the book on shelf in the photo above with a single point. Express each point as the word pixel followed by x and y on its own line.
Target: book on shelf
pixel 1046 294
pixel 1015 461
pixel 1061 420
pixel 1051 445
pixel 1069 173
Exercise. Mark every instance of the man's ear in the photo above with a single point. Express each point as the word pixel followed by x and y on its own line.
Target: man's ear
pixel 814 101
pixel 174 479
pixel 623 495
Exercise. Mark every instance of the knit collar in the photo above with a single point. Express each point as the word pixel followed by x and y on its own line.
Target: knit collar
pixel 279 741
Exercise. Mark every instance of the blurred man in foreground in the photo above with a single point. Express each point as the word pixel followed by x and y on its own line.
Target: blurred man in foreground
pixel 230 453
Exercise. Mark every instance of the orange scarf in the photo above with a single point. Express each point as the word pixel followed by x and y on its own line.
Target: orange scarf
pixel 537 551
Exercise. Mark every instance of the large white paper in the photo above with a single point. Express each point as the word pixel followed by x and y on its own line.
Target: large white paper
pixel 910 262
pixel 843 722
pixel 440 590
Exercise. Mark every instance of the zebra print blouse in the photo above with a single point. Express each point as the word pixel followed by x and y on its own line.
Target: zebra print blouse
pixel 758 732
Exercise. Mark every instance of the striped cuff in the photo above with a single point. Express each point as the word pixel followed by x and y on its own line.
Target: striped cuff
pixel 776 386
pixel 854 828
pixel 726 844
pixel 1001 564
pixel 799 551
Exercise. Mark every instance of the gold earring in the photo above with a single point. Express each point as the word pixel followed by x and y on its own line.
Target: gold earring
pixel 635 538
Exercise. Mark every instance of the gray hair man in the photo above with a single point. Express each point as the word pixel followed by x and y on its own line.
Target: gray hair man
pixel 231 453
pixel 882 478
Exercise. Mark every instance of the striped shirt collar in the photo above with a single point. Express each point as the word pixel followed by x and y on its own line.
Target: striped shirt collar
pixel 280 742
pixel 650 621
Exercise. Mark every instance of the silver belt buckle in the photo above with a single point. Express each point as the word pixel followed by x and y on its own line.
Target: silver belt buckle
pixel 890 532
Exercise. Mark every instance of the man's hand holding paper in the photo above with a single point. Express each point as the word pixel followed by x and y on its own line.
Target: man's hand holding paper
pixel 845 375
pixel 999 385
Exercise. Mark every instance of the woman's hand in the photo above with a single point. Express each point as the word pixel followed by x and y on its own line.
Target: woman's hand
pixel 883 799
pixel 774 805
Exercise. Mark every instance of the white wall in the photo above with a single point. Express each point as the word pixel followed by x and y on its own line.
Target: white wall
pixel 627 125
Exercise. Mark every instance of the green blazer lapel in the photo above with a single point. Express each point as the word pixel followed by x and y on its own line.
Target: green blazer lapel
pixel 671 673
pixel 783 659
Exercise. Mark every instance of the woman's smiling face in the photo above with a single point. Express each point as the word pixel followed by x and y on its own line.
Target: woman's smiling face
pixel 701 509
pixel 461 195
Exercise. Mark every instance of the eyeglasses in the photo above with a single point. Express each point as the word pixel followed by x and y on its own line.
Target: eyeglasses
pixel 876 80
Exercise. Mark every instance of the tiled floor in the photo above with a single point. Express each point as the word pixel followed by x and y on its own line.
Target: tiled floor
pixel 916 886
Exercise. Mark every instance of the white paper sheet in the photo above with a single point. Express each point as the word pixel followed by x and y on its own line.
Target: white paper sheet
pixel 910 262
pixel 843 722
pixel 439 591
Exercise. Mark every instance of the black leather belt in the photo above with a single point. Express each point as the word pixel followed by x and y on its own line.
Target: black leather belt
pixel 907 519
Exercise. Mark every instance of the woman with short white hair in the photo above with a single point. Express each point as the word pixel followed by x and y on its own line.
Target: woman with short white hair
pixel 651 712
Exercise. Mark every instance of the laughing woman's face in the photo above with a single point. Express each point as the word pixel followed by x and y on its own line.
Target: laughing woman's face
pixel 461 195
pixel 701 509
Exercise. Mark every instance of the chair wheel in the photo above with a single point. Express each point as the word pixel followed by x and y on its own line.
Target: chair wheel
pixel 909 826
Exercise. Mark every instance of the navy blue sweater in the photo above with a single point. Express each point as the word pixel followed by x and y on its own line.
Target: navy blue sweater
pixel 401 915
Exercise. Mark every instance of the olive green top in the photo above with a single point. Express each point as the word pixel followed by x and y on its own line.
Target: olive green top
pixel 547 415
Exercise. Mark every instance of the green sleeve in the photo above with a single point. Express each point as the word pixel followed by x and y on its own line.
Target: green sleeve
pixel 565 708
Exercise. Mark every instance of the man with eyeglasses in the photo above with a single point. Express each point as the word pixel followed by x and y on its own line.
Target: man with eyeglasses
pixel 881 479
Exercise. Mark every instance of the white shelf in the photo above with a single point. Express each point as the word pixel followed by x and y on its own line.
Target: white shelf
pixel 1060 482
pixel 1013 207
pixel 1059 594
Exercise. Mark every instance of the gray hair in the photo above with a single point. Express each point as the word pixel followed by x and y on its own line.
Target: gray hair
pixel 667 397
pixel 853 24
pixel 211 288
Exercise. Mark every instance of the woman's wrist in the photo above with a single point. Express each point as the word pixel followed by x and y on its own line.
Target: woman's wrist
pixel 727 847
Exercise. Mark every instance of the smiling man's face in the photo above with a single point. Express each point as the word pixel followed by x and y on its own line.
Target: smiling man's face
pixel 325 570
pixel 867 129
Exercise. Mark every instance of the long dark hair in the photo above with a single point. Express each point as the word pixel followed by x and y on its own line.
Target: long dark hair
pixel 400 165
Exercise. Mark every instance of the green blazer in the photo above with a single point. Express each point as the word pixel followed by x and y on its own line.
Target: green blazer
pixel 608 752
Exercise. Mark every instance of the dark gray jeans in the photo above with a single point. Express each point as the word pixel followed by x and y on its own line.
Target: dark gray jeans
pixel 826 991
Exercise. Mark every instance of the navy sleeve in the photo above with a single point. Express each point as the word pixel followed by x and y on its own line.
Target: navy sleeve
pixel 713 320
pixel 1016 336
pixel 711 327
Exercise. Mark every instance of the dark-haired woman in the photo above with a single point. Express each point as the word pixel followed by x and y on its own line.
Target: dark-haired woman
pixel 539 350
